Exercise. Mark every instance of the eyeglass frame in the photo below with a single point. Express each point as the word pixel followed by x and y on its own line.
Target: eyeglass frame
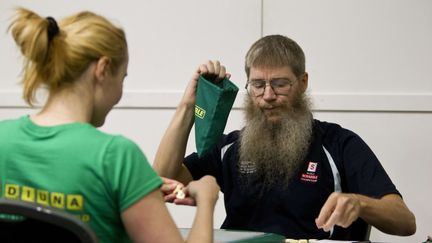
pixel 270 83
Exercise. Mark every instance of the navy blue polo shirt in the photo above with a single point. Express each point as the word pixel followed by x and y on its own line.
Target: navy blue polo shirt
pixel 338 160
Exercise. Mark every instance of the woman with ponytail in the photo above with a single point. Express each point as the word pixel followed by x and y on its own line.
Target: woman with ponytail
pixel 57 157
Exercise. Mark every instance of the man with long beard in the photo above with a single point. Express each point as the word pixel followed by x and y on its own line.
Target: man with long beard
pixel 285 172
pixel 275 147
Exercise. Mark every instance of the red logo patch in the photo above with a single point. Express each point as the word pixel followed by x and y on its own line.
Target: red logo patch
pixel 310 175
pixel 309 178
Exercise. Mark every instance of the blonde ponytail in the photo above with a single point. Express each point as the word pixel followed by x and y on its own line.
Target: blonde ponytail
pixel 56 55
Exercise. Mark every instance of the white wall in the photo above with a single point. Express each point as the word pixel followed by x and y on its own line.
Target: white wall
pixel 369 64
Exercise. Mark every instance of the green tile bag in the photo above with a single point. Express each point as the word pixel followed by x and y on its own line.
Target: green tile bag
pixel 212 107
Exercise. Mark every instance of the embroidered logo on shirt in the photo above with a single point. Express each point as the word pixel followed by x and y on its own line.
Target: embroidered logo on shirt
pixel 247 167
pixel 310 175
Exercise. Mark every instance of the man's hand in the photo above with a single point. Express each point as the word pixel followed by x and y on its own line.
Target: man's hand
pixel 340 209
pixel 213 71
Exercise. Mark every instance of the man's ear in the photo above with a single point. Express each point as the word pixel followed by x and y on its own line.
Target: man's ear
pixel 304 81
pixel 101 70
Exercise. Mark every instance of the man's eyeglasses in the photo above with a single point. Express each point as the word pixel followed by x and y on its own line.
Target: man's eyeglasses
pixel 280 86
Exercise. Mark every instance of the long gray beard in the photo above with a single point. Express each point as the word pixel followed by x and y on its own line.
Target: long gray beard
pixel 273 152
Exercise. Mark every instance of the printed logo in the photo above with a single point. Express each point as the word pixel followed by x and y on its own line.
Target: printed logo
pixel 71 202
pixel 312 166
pixel 310 175
pixel 199 112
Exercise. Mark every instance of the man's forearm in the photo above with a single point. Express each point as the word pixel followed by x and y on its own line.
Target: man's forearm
pixel 172 148
pixel 388 214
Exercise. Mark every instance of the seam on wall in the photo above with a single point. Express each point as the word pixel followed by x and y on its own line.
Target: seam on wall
pixel 343 102
pixel 262 18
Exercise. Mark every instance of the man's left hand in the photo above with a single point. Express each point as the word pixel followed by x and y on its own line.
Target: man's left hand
pixel 340 209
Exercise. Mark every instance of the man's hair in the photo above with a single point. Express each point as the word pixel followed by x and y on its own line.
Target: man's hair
pixel 56 55
pixel 276 51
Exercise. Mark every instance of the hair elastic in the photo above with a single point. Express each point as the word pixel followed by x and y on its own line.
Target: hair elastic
pixel 53 28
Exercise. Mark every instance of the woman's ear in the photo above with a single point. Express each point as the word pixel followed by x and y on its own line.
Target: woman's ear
pixel 101 70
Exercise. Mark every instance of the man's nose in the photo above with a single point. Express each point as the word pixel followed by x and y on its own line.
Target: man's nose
pixel 269 93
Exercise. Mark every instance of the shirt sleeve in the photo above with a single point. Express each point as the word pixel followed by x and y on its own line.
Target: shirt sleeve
pixel 363 171
pixel 199 167
pixel 215 162
pixel 128 173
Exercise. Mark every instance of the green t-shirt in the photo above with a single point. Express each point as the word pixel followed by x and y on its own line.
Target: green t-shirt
pixel 77 168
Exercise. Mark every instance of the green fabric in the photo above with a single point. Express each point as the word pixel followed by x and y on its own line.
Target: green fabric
pixel 77 168
pixel 212 107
